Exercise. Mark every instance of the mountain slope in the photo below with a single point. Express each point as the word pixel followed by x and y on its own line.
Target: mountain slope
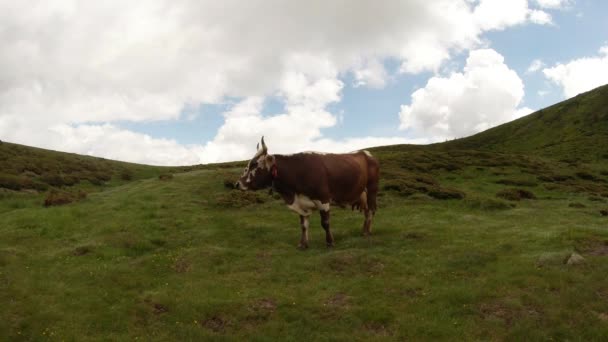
pixel 25 167
pixel 573 129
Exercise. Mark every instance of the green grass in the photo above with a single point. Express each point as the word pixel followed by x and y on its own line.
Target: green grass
pixel 189 259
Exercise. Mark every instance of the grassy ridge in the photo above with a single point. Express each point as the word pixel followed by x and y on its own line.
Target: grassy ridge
pixel 24 167
pixel 575 129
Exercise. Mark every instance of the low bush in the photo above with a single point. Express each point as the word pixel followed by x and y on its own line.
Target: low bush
pixel 57 197
pixel 515 194
pixel 577 205
pixel 554 178
pixel 446 193
pixel 516 182
pixel 585 175
pixel 165 176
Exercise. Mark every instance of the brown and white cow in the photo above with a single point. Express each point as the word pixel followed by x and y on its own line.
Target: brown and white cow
pixel 312 181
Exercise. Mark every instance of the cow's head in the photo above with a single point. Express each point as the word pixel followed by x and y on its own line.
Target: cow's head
pixel 258 173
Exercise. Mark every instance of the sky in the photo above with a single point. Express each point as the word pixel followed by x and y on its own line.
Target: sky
pixel 187 82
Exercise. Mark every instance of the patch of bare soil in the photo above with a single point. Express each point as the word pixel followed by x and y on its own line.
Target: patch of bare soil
pixel 377 329
pixel 266 305
pixel 182 265
pixel 601 249
pixel 82 250
pixel 159 308
pixel 215 324
pixel 415 236
pixel 338 301
pixel 499 311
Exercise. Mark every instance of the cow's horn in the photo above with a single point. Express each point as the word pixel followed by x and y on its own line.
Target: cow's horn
pixel 264 148
pixel 257 147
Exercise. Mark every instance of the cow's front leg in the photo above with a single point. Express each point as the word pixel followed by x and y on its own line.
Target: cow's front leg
pixel 304 225
pixel 329 239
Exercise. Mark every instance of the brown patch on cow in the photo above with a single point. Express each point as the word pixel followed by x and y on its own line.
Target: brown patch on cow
pixel 182 265
pixel 215 323
pixel 82 250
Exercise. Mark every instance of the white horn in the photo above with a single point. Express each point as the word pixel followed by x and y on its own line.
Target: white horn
pixel 264 148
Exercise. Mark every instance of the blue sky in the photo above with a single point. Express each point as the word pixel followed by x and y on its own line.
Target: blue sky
pixel 197 82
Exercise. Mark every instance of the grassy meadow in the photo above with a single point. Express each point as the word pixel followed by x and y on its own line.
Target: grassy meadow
pixel 484 238
pixel 186 258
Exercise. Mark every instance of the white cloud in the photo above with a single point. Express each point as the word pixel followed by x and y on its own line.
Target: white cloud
pixel 485 94
pixel 499 14
pixel 540 17
pixel 371 74
pixel 553 4
pixel 81 64
pixel 580 75
pixel 535 66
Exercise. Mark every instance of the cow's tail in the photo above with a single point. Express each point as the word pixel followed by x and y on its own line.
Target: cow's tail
pixel 373 179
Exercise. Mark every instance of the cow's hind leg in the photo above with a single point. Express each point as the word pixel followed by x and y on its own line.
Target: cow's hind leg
pixel 329 239
pixel 304 225
pixel 367 224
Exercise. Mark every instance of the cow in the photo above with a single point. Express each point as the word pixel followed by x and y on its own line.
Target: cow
pixel 311 181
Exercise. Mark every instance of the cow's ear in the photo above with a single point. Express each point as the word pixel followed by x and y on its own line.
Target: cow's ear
pixel 270 161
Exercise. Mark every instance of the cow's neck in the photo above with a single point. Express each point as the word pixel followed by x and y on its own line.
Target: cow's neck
pixel 285 182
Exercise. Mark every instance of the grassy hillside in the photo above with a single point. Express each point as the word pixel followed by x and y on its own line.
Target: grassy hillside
pixel 575 129
pixel 187 258
pixel 30 168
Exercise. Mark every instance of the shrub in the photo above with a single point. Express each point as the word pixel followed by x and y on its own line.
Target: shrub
pixel 446 193
pixel 577 205
pixel 14 182
pixel 554 178
pixel 515 194
pixel 604 212
pixel 585 175
pixel 126 175
pixel 517 182
pixel 57 197
pixel 165 176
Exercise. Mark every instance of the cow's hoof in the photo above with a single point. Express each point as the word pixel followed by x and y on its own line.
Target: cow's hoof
pixel 330 244
pixel 302 246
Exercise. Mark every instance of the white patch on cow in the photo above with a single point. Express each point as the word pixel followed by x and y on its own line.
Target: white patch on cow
pixel 304 206
pixel 315 152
